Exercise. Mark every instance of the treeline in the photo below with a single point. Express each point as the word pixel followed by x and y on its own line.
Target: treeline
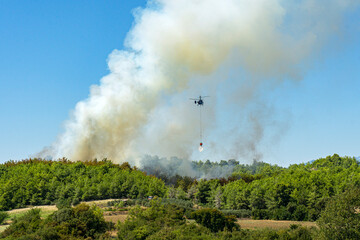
pixel 168 220
pixel 226 171
pixel 260 190
pixel 40 182
pixel 298 192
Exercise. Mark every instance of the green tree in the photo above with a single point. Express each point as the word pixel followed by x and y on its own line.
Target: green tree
pixel 81 222
pixel 3 216
pixel 29 223
pixel 214 220
pixel 141 223
pixel 341 218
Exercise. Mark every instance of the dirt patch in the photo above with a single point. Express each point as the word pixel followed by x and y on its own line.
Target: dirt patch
pixel 273 224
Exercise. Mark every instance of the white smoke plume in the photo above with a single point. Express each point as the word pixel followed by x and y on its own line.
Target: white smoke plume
pixel 180 49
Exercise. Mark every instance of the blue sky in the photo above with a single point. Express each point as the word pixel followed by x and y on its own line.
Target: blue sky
pixel 52 51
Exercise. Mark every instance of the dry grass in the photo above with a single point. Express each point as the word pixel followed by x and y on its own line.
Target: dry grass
pixel 273 224
pixel 44 208
pixel 2 227
pixel 48 209
pixel 116 218
pixel 102 203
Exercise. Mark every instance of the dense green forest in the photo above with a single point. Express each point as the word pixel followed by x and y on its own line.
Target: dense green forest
pixel 38 182
pixel 298 192
pixel 325 190
pixel 265 191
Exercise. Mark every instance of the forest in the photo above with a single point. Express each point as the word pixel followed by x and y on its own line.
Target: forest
pixel 324 190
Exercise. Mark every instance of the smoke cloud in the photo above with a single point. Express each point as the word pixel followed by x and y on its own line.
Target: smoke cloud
pixel 227 49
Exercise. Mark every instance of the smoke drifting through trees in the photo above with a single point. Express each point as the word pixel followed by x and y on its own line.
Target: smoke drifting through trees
pixel 170 167
pixel 174 48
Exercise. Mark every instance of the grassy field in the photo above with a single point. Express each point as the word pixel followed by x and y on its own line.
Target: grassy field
pixel 45 211
pixel 116 218
pixel 273 224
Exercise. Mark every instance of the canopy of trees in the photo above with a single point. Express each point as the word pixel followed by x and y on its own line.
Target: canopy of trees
pixel 81 222
pixel 264 191
pixel 39 182
pixel 299 192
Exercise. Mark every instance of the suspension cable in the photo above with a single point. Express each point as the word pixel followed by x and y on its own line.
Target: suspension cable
pixel 200 125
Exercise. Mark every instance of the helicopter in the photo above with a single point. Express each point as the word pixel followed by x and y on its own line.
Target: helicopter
pixel 199 101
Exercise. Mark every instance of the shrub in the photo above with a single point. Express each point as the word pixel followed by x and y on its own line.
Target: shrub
pixel 187 204
pixel 75 201
pixel 29 223
pixel 341 218
pixel 186 231
pixel 260 214
pixel 241 213
pixel 120 204
pixel 301 233
pixel 66 223
pixel 63 203
pixel 3 216
pixel 300 213
pixel 143 223
pixel 214 220
pixel 280 213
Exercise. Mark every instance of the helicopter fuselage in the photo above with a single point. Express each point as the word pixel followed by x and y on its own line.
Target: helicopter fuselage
pixel 199 102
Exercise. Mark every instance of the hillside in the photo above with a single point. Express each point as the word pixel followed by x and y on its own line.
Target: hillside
pixel 298 192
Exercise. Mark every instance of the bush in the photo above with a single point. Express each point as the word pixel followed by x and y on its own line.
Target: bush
pixel 281 213
pixel 133 202
pixel 63 203
pixel 75 201
pixel 144 223
pixel 80 222
pixel 241 213
pixel 215 220
pixel 186 231
pixel 300 213
pixel 260 214
pixel 3 216
pixel 120 204
pixel 341 219
pixel 187 204
pixel 115 202
pixel 301 233
pixel 29 223
pixel 188 213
